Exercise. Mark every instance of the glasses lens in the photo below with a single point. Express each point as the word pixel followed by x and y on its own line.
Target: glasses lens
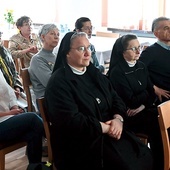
pixel 135 49
pixel 81 49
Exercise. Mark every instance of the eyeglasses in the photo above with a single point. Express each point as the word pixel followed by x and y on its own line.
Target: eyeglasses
pixel 27 24
pixel 88 28
pixel 135 49
pixel 82 49
pixel 166 28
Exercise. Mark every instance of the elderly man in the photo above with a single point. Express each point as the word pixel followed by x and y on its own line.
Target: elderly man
pixel 157 58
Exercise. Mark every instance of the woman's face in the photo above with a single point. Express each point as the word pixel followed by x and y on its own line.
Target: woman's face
pixel 26 28
pixel 51 39
pixel 132 52
pixel 79 55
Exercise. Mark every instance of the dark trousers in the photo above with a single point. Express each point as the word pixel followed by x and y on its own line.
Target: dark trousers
pixel 147 122
pixel 27 127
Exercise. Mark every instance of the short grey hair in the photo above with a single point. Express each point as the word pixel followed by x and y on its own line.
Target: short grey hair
pixel 46 28
pixel 77 34
pixel 155 23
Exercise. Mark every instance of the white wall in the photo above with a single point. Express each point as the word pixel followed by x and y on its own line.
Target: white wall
pixel 60 11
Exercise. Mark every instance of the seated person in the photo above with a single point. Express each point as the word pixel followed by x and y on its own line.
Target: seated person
pixel 7 67
pixel 16 124
pixel 83 24
pixel 87 115
pixel 41 65
pixel 157 58
pixel 24 44
pixel 130 79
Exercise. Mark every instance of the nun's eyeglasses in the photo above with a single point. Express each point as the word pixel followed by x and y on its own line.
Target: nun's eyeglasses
pixel 135 49
pixel 83 49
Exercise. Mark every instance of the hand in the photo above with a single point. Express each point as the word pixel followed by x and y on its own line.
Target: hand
pixel 132 112
pixel 32 49
pixel 161 92
pixel 15 111
pixel 116 127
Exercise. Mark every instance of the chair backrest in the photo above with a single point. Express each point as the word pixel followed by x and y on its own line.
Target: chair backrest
pixel 6 43
pixel 27 84
pixel 19 63
pixel 164 123
pixel 107 34
pixel 46 122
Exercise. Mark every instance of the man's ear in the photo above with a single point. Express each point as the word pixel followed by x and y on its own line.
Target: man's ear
pixel 156 33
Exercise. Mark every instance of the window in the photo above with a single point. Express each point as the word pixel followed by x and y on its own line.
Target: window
pixel 135 14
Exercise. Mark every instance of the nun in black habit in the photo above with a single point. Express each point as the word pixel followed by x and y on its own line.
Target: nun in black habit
pixel 131 80
pixel 87 115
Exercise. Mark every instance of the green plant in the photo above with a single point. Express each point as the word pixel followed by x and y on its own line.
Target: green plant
pixel 9 16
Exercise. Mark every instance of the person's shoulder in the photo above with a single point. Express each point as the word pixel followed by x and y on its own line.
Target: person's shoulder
pixel 34 57
pixel 141 64
pixel 116 71
pixel 152 47
pixel 15 36
pixel 34 36
pixel 58 78
pixel 17 39
pixel 59 73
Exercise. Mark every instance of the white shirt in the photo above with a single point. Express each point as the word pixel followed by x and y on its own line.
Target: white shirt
pixel 7 97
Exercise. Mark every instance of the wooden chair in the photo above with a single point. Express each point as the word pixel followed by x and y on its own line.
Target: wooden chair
pixel 19 63
pixel 164 123
pixel 107 34
pixel 7 147
pixel 27 84
pixel 46 122
pixel 6 43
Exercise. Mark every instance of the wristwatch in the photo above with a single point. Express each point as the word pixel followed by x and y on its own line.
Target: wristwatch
pixel 120 118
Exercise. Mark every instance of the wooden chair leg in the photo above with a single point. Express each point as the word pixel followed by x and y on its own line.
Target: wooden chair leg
pixel 2 161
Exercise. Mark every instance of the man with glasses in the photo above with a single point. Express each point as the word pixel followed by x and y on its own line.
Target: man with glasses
pixel 83 24
pixel 24 44
pixel 157 58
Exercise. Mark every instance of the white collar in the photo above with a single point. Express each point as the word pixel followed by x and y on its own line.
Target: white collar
pixel 131 64
pixel 76 71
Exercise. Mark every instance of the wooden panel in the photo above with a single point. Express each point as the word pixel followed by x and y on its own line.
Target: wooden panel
pixel 107 34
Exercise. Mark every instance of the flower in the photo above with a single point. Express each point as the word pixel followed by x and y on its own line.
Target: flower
pixel 9 16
